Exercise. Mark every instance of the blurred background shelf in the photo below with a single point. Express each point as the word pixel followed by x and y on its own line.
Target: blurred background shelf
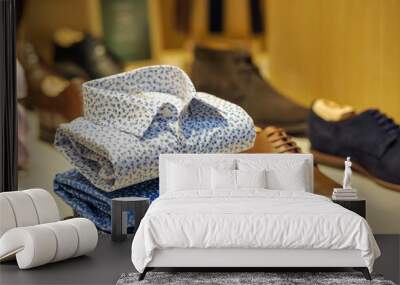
pixel 347 50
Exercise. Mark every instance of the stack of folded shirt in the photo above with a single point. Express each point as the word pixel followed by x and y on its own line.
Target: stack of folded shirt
pixel 94 204
pixel 130 119
pixel 344 194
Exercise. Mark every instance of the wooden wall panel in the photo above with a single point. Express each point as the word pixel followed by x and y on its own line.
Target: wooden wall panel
pixel 237 19
pixel 171 38
pixel 345 50
pixel 348 51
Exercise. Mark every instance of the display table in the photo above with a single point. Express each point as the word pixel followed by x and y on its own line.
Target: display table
pixel 120 208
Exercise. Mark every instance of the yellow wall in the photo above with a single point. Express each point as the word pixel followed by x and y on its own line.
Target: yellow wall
pixel 346 50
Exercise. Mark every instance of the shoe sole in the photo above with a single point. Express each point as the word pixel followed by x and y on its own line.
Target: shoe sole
pixel 299 130
pixel 338 162
pixel 296 129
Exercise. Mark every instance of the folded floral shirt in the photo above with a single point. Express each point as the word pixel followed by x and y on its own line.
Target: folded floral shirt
pixel 131 118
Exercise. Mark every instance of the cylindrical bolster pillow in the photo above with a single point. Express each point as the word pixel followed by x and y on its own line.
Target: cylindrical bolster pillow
pixel 7 219
pixel 45 205
pixel 87 235
pixel 67 239
pixel 23 209
pixel 26 208
pixel 40 244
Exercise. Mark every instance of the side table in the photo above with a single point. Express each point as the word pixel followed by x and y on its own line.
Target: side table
pixel 119 214
pixel 358 206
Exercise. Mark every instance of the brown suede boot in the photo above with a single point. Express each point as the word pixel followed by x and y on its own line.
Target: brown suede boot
pixel 275 140
pixel 233 76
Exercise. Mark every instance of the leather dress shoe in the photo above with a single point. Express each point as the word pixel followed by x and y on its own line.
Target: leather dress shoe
pixel 56 99
pixel 232 75
pixel 370 138
pixel 82 55
pixel 275 140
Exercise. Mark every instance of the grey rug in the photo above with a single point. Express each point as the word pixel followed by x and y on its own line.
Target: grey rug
pixel 269 278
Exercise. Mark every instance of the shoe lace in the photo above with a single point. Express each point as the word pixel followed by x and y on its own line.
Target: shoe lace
pixel 385 122
pixel 283 142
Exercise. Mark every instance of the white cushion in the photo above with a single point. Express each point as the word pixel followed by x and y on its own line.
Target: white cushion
pixel 26 208
pixel 183 178
pixel 23 208
pixel 223 179
pixel 67 237
pixel 40 244
pixel 32 246
pixel 251 178
pixel 87 235
pixel 45 205
pixel 269 161
pixel 7 220
pixel 201 161
pixel 185 175
pixel 231 180
pixel 282 174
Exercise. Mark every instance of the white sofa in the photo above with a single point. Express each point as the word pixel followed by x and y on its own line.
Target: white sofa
pixel 31 231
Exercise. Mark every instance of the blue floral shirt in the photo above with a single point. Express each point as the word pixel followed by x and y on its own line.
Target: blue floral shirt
pixel 131 118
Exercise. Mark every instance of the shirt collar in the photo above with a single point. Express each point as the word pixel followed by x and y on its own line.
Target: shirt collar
pixel 129 101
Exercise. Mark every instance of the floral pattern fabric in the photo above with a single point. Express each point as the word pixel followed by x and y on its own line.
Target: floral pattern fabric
pixel 94 204
pixel 131 118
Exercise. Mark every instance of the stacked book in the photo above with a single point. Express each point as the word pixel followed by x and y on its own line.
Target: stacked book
pixel 344 194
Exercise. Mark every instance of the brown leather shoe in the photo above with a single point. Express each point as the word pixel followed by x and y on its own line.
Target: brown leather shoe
pixel 275 140
pixel 56 99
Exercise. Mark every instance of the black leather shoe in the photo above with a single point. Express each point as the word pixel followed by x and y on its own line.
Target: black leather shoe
pixel 370 138
pixel 232 76
pixel 82 55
